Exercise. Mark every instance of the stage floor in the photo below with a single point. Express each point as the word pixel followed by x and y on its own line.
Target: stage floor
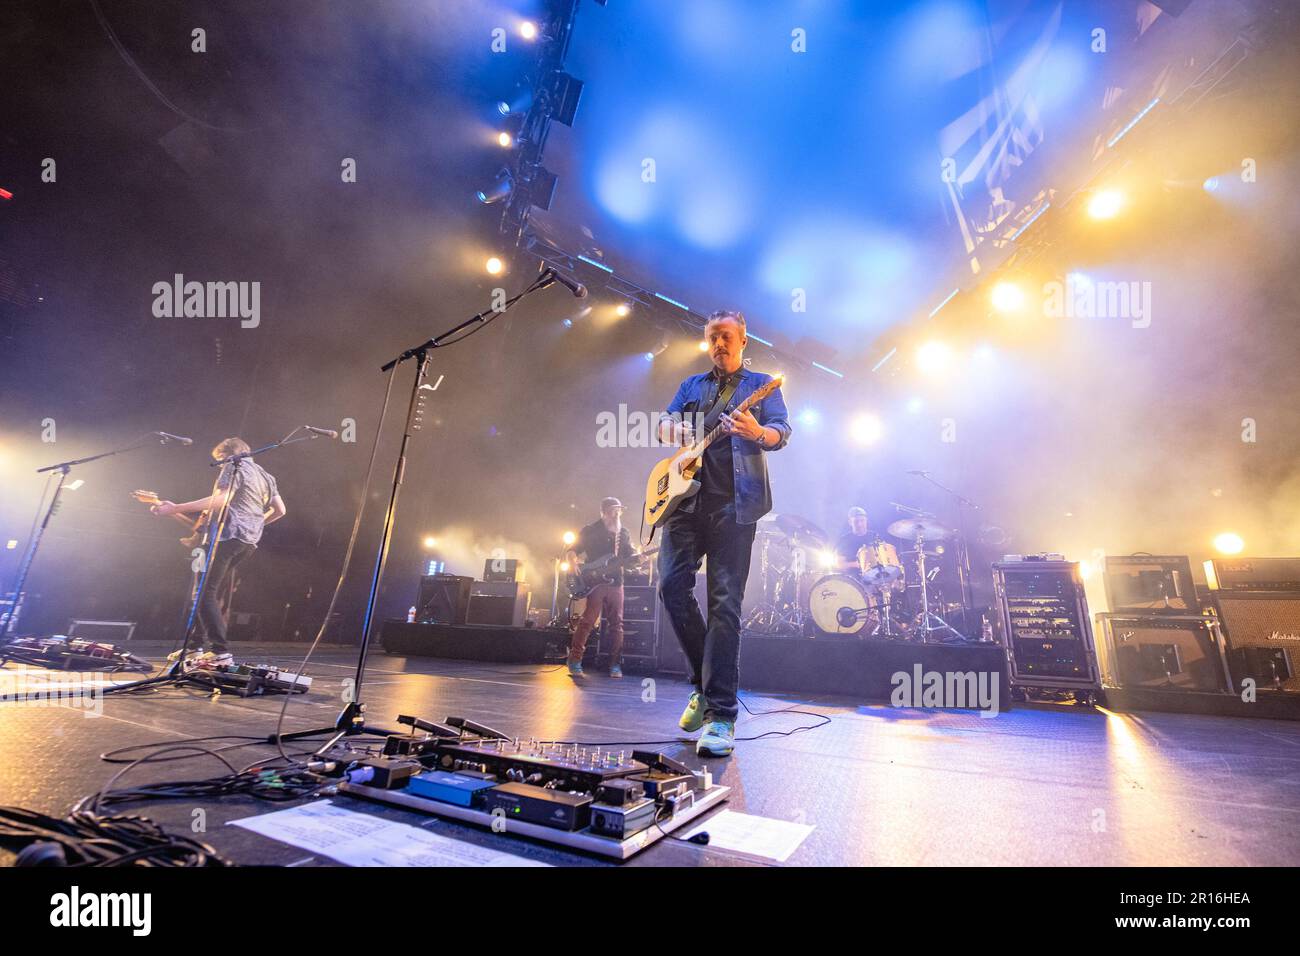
pixel 881 786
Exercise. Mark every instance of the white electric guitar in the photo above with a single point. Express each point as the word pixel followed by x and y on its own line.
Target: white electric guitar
pixel 673 479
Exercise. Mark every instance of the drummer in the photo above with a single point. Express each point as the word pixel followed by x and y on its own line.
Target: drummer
pixel 859 534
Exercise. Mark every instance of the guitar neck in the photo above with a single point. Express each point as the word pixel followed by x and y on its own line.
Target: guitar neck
pixel 717 429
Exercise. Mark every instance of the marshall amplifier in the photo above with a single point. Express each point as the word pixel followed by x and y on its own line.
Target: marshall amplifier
pixel 1045 625
pixel 1262 637
pixel 443 599
pixel 1253 574
pixel 1163 652
pixel 1150 584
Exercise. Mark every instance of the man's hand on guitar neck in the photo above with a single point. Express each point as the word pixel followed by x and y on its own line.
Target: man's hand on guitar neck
pixel 746 426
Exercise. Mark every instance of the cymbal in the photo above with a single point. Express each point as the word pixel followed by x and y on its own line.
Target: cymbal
pixel 801 532
pixel 909 529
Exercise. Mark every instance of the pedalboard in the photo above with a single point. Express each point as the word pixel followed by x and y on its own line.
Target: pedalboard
pixel 601 800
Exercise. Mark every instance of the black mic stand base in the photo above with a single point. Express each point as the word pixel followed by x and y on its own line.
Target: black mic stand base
pixel 351 722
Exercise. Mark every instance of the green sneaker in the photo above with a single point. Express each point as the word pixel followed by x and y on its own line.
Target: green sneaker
pixel 718 739
pixel 692 717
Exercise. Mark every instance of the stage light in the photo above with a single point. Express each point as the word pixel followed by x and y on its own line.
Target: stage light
pixel 866 429
pixel 493 266
pixel 528 30
pixel 1105 203
pixel 74 485
pixel 569 537
pixel 501 187
pixel 1229 542
pixel 568 323
pixel 649 356
pixel 503 108
pixel 430 541
pixel 809 417
pixel 704 346
pixel 915 404
pixel 622 309
pixel 564 566
pixel 505 139
pixel 11 544
pixel 1086 570
pixel 933 358
pixel 1211 185
pixel 827 559
pixel 1007 297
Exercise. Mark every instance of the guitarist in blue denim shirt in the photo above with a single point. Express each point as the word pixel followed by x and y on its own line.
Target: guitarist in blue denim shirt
pixel 718 522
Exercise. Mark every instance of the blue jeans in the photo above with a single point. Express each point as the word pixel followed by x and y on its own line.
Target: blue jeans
pixel 713 649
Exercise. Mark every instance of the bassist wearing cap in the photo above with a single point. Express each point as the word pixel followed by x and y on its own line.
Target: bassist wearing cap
pixel 604 538
pixel 715 516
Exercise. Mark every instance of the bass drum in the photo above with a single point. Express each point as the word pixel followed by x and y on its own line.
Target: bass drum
pixel 840 604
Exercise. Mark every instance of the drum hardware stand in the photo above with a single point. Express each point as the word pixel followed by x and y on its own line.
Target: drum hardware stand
pixel 351 720
pixel 929 621
pixel 764 615
pixel 64 468
pixel 885 626
pixel 963 554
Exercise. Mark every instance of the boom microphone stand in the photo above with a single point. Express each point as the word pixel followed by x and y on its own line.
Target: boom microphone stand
pixel 351 720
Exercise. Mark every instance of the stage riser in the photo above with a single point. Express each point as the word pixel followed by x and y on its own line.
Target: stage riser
pixel 1269 704
pixel 863 669
pixel 470 642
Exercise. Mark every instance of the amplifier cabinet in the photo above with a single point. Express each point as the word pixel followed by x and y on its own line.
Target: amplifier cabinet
pixel 443 599
pixel 640 603
pixel 1261 632
pixel 640 624
pixel 640 640
pixel 1163 652
pixel 503 603
pixel 1146 584
pixel 1045 625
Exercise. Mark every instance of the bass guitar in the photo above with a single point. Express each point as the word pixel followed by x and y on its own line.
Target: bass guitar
pixel 602 571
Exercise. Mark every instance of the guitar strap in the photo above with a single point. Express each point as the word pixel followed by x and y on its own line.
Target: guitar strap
pixel 719 404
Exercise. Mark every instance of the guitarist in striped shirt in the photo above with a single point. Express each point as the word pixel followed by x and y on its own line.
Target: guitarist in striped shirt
pixel 718 522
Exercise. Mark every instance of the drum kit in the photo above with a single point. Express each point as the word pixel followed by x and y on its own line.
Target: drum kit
pixel 806 592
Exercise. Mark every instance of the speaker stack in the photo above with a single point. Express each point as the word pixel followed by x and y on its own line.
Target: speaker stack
pixel 1155 636
pixel 1257 602
pixel 640 628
